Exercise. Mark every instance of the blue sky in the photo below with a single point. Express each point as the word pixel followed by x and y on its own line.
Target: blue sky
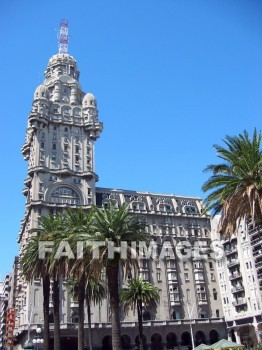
pixel 171 78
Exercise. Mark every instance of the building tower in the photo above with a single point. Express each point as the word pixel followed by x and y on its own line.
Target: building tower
pixel 59 147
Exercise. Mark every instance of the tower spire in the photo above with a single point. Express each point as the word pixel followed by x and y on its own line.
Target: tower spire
pixel 63 37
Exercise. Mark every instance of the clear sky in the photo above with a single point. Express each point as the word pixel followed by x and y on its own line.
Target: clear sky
pixel 171 77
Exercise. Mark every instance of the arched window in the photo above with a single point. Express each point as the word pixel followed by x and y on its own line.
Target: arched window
pixel 65 194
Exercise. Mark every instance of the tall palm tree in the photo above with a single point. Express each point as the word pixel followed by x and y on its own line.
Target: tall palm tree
pixel 235 186
pixel 33 267
pixel 114 225
pixel 50 227
pixel 76 226
pixel 95 291
pixel 135 296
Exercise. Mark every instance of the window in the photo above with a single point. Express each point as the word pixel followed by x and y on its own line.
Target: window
pixel 144 275
pixel 42 145
pixel 215 294
pixel 212 276
pixel 54 146
pixel 174 294
pixel 196 233
pixel 186 276
pixel 76 159
pixel 158 276
pixel 172 276
pixel 199 276
pixel 181 231
pixel 76 149
pixel 217 313
pixel 210 265
pixel 64 195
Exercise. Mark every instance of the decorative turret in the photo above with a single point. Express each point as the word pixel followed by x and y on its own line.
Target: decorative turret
pixel 90 114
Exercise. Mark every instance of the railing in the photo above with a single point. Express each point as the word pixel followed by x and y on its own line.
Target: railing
pixel 152 323
pixel 235 275
pixel 232 262
pixel 239 301
pixel 258 252
pixel 255 230
pixel 231 250
pixel 237 289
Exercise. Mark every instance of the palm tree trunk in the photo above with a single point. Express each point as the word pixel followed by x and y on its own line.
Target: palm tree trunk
pixel 56 305
pixel 46 297
pixel 81 311
pixel 112 277
pixel 140 325
pixel 89 325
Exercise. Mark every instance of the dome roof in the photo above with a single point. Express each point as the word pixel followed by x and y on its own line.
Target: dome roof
pixel 62 63
pixel 41 92
pixel 89 100
pixel 62 58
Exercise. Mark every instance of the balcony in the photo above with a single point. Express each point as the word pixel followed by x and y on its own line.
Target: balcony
pixel 239 302
pixel 235 276
pixel 257 253
pixel 237 289
pixel 233 262
pixel 230 251
pixel 255 231
pixel 258 264
pixel 256 241
pixel 259 276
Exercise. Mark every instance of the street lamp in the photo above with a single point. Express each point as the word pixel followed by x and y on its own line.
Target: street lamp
pixel 38 340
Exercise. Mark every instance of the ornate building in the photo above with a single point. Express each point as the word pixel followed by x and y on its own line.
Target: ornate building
pixel 62 128
pixel 240 277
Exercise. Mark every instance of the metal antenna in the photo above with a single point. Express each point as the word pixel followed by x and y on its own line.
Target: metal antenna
pixel 63 36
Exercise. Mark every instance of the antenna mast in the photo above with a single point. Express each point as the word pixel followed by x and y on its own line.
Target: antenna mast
pixel 63 36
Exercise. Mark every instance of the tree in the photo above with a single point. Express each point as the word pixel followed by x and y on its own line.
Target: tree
pixel 32 267
pixel 236 184
pixel 49 227
pixel 95 292
pixel 112 226
pixel 135 296
pixel 76 228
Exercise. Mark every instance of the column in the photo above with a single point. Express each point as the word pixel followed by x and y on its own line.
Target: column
pixel 237 335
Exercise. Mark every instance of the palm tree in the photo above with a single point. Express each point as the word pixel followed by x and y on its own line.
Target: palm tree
pixel 113 226
pixel 33 267
pixel 236 183
pixel 136 295
pixel 95 292
pixel 50 227
pixel 76 227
